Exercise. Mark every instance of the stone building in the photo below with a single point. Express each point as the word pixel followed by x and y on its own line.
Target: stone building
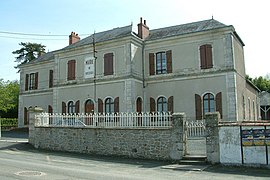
pixel 193 68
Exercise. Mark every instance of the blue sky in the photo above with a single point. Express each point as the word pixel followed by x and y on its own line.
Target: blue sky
pixel 60 17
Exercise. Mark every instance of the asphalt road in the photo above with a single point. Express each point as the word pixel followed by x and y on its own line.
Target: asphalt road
pixel 19 160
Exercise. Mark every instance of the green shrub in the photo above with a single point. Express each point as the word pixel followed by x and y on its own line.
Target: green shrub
pixel 9 122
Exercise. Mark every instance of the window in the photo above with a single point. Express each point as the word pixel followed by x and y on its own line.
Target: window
pixel 254 113
pixel 206 56
pixel 108 64
pixel 31 81
pixel 109 105
pixel 51 79
pixel 244 108
pixel 161 63
pixel 71 70
pixel 249 109
pixel 162 105
pixel 208 103
pixel 71 107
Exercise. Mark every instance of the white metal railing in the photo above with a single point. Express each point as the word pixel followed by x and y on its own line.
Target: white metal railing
pixel 126 120
pixel 195 128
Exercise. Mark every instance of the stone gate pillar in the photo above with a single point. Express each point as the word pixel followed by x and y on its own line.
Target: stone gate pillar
pixel 177 150
pixel 33 111
pixel 212 137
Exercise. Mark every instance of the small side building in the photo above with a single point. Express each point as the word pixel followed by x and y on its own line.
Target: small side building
pixel 265 105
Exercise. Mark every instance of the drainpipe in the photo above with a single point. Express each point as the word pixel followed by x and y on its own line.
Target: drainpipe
pixel 143 77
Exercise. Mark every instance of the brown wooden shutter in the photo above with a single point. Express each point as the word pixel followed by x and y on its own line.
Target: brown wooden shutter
pixel 152 105
pixel 203 57
pixel 100 106
pixel 77 107
pixel 116 104
pixel 36 80
pixel 198 107
pixel 51 79
pixel 208 54
pixel 64 107
pixel 108 64
pixel 139 104
pixel 151 64
pixel 219 103
pixel 71 69
pixel 170 104
pixel 26 82
pixel 50 109
pixel 169 61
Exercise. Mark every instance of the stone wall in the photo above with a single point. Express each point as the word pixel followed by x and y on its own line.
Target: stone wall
pixel 151 143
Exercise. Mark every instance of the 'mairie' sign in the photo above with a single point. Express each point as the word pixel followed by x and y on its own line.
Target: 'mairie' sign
pixel 89 67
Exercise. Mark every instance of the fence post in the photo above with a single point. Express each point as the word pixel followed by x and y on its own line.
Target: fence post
pixel 33 111
pixel 212 137
pixel 177 150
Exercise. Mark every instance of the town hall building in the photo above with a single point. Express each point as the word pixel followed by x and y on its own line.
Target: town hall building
pixel 193 68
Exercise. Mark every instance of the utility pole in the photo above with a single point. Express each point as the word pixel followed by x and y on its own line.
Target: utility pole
pixel 95 66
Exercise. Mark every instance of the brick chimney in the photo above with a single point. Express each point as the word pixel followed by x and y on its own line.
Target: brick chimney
pixel 73 37
pixel 143 30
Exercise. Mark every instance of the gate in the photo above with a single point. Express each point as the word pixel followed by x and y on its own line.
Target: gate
pixel 195 138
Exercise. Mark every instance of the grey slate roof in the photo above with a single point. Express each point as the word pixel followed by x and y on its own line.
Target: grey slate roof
pixel 127 31
pixel 103 36
pixel 184 29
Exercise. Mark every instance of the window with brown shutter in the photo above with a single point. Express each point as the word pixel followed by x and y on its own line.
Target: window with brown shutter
pixel 64 107
pixel 100 106
pixel 198 107
pixel 36 81
pixel 206 56
pixel 71 70
pixel 151 64
pixel 108 64
pixel 26 82
pixel 170 104
pixel 116 104
pixel 152 105
pixel 169 61
pixel 51 79
pixel 219 103
pixel 77 107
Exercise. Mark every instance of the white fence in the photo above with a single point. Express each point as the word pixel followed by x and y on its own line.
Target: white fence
pixel 195 128
pixel 125 120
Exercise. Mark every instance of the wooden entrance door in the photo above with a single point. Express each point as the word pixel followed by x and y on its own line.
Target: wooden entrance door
pixel 89 109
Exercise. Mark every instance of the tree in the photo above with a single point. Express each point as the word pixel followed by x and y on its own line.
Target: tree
pixel 28 52
pixel 262 83
pixel 9 98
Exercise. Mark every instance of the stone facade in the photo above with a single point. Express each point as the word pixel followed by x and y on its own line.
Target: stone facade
pixel 148 67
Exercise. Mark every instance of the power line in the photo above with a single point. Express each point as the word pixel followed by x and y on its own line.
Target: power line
pixel 12 37
pixel 34 34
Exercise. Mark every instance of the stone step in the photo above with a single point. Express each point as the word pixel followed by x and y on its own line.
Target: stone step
pixel 193 159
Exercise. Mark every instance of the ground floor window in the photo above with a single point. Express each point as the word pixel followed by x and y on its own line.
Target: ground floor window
pixel 109 105
pixel 71 107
